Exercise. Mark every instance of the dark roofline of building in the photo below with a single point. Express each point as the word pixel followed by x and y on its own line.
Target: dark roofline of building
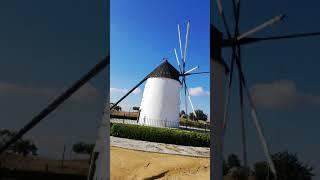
pixel 165 69
pixel 215 49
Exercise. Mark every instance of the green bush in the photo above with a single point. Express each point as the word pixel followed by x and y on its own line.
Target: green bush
pixel 161 135
pixel 194 124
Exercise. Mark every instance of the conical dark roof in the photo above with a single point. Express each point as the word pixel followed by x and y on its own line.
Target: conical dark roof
pixel 166 70
pixel 215 47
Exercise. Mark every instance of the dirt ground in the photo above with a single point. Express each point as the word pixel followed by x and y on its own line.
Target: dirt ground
pixel 136 165
pixel 79 167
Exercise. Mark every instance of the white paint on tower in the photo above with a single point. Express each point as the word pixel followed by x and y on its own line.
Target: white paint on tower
pixel 160 103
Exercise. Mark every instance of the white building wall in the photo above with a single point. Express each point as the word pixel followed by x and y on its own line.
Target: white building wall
pixel 160 103
pixel 217 105
pixel 100 167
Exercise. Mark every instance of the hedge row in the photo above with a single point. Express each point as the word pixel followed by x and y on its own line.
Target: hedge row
pixel 123 117
pixel 161 135
pixel 194 124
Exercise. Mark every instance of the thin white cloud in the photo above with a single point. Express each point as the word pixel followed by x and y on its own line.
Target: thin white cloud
pixel 118 91
pixel 129 102
pixel 137 91
pixel 198 91
pixel 15 88
pixel 87 92
pixel 281 94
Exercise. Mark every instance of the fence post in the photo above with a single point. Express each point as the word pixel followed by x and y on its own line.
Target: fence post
pixel 62 161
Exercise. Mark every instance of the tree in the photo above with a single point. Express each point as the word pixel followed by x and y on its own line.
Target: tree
pixel 117 108
pixel 5 135
pixel 233 168
pixel 233 161
pixel 82 148
pixel 192 117
pixel 135 108
pixel 287 165
pixel 183 114
pixel 225 167
pixel 261 170
pixel 200 115
pixel 230 160
pixel 111 104
pixel 22 146
pixel 237 173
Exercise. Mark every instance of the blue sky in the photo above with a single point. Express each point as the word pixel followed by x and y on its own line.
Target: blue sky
pixel 143 32
pixel 283 77
pixel 45 46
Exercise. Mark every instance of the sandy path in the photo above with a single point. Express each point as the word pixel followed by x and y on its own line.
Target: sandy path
pixel 132 164
pixel 159 147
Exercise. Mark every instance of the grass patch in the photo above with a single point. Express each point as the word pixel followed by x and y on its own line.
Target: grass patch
pixel 161 135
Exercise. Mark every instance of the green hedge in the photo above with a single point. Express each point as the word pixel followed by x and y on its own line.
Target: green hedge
pixel 122 117
pixel 194 124
pixel 161 135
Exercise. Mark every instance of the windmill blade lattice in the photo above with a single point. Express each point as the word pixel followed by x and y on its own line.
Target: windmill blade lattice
pixel 183 72
pixel 235 43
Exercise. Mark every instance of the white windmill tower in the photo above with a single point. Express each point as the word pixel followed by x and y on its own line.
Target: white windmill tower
pixel 161 97
pixel 160 105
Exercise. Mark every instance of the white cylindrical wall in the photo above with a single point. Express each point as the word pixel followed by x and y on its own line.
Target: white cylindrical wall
pixel 160 103
pixel 217 104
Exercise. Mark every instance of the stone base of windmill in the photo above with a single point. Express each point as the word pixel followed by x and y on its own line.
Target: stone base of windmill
pixel 158 123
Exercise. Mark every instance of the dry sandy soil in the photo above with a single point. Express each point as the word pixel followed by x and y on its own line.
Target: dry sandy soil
pixel 132 164
pixel 79 167
pixel 124 113
pixel 125 165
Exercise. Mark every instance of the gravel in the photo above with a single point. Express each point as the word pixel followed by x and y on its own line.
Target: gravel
pixel 159 147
